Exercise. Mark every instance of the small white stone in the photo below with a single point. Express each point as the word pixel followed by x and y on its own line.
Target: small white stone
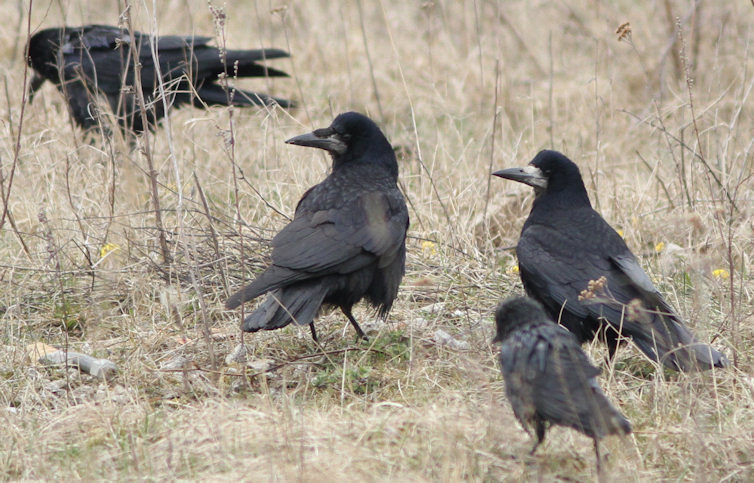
pixel 434 308
pixel 56 386
pixel 237 356
pixel 177 362
pixel 373 326
pixel 443 338
pixel 260 365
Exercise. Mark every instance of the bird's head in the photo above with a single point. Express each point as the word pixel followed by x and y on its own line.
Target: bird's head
pixel 43 53
pixel 352 137
pixel 514 313
pixel 548 172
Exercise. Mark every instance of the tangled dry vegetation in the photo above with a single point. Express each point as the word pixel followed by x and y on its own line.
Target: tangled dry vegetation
pixel 658 116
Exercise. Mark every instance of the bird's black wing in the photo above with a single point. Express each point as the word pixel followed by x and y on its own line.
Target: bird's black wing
pixel 180 42
pixel 106 37
pixel 333 239
pixel 555 267
pixel 344 238
pixel 661 330
pixel 92 37
pixel 519 377
pixel 92 55
pixel 566 391
pixel 557 263
pixel 339 238
pixel 546 373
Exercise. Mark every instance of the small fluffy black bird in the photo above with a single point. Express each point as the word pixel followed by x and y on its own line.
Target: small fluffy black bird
pixel 347 239
pixel 96 60
pixel 548 378
pixel 565 244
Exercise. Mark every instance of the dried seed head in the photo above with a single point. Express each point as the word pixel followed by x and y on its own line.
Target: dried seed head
pixel 597 285
pixel 635 311
pixel 593 288
pixel 280 11
pixel 624 32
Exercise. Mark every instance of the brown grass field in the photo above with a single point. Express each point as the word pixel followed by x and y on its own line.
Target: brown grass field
pixel 660 122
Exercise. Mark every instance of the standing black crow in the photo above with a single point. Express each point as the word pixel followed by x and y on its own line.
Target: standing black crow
pixel 84 62
pixel 548 378
pixel 565 244
pixel 347 239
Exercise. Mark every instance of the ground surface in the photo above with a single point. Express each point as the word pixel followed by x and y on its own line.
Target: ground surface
pixel 660 123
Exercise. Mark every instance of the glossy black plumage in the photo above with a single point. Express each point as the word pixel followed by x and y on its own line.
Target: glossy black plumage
pixel 548 378
pixel 347 238
pixel 95 60
pixel 565 243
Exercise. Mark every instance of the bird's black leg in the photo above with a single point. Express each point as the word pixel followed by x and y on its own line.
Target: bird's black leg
pixel 314 332
pixel 540 431
pixel 355 324
pixel 536 445
pixel 597 454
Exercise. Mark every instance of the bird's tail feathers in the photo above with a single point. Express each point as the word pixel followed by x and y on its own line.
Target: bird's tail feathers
pixel 600 417
pixel 213 94
pixel 271 279
pixel 256 54
pixel 610 421
pixel 244 63
pixel 676 347
pixel 298 303
pixel 249 292
pixel 619 424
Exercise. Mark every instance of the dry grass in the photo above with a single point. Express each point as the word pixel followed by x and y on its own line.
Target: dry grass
pixel 400 407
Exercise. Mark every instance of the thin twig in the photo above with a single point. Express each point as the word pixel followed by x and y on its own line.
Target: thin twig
pixel 658 178
pixel 419 157
pixel 5 193
pixel 282 364
pixel 369 59
pixel 494 135
pixel 147 151
pixel 478 30
pixel 661 127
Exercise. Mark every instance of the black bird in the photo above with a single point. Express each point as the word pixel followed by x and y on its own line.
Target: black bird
pixel 548 378
pixel 347 239
pixel 96 60
pixel 565 244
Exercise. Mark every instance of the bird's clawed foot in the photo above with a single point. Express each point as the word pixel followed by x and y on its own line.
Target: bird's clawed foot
pixel 355 324
pixel 534 448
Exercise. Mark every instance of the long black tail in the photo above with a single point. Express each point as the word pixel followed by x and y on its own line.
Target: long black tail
pixel 243 63
pixel 213 94
pixel 670 342
pixel 272 278
pixel 298 303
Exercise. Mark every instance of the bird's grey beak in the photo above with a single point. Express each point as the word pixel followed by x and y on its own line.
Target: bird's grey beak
pixel 36 82
pixel 530 175
pixel 326 139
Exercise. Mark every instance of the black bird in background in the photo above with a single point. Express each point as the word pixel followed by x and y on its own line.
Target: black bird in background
pixel 347 239
pixel 565 244
pixel 548 378
pixel 84 62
